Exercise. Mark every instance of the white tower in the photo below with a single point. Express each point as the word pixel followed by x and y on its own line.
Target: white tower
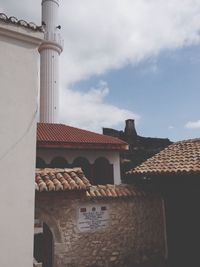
pixel 50 50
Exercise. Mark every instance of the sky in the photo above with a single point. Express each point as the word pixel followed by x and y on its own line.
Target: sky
pixel 130 59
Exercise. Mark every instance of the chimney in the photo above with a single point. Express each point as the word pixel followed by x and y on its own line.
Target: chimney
pixel 50 50
pixel 130 130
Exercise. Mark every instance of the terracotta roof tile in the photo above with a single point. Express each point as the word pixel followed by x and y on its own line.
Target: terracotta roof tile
pixel 180 157
pixel 60 180
pixel 114 191
pixel 22 23
pixel 60 135
pixel 48 180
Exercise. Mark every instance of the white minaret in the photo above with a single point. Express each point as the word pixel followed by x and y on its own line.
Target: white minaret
pixel 50 50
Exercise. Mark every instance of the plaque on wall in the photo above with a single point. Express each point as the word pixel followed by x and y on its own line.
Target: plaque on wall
pixel 93 218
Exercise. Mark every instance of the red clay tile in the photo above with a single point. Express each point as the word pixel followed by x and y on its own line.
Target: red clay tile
pixel 180 157
pixel 47 180
pixel 60 135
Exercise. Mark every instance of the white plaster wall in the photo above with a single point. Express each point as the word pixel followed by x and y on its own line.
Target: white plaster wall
pixel 18 107
pixel 90 155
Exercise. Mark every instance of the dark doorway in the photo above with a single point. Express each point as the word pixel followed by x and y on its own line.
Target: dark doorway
pixel 84 164
pixel 48 246
pixel 43 247
pixel 40 163
pixel 38 247
pixel 103 172
pixel 59 162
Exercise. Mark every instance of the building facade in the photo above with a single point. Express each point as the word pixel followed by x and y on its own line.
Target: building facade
pixel 19 67
pixel 174 172
pixel 79 224
pixel 62 146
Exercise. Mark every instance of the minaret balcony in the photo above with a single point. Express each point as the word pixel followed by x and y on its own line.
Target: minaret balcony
pixel 54 37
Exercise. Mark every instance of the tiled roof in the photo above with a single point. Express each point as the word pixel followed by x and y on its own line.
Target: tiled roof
pixel 114 191
pixel 49 180
pixel 60 180
pixel 64 136
pixel 178 158
pixel 13 20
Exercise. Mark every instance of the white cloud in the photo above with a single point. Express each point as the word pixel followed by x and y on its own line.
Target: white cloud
pixel 89 110
pixel 101 35
pixel 193 124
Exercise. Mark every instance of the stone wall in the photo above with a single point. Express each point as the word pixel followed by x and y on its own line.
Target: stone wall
pixel 134 234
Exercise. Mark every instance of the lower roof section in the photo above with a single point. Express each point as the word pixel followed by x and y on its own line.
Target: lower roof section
pixel 74 180
pixel 49 179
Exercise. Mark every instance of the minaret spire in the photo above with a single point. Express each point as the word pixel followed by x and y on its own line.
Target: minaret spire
pixel 50 50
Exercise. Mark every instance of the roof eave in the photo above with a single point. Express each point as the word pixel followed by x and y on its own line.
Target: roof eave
pixel 163 173
pixel 90 146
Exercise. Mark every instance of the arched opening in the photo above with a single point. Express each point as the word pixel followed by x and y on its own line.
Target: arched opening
pixel 38 247
pixel 59 162
pixel 103 172
pixel 40 163
pixel 84 164
pixel 43 246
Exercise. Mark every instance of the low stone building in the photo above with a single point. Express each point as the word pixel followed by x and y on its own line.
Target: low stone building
pixel 78 224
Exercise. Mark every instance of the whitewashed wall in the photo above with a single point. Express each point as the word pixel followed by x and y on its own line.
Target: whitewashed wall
pixel 91 156
pixel 18 106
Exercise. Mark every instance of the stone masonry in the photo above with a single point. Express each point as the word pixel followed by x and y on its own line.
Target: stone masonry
pixel 134 234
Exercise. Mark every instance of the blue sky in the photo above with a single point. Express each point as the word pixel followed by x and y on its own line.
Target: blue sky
pixel 164 90
pixel 127 59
